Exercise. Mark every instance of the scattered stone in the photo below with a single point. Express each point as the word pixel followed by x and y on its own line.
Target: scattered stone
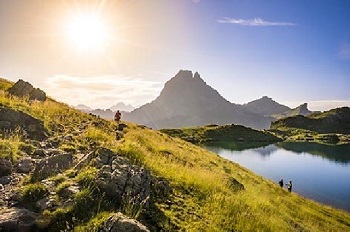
pixel 120 223
pixel 121 126
pixel 235 185
pixel 5 167
pixel 45 203
pixel 17 219
pixel 5 180
pixel 24 165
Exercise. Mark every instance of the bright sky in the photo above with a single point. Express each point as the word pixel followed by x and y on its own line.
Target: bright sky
pixel 99 53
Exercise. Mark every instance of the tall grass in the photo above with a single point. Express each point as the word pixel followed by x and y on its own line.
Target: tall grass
pixel 203 195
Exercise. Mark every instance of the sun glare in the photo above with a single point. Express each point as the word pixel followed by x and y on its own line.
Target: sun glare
pixel 87 32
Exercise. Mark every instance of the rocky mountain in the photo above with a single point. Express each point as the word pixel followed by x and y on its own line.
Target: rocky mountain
pixel 122 107
pixel 186 100
pixel 266 106
pixel 300 110
pixel 106 113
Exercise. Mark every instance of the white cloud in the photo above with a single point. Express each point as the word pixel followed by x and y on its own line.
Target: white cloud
pixel 254 22
pixel 101 91
pixel 344 51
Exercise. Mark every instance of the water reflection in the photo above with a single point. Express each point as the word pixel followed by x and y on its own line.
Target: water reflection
pixel 336 153
pixel 320 172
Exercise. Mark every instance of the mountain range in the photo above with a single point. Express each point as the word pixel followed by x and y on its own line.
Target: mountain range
pixel 187 100
pixel 105 113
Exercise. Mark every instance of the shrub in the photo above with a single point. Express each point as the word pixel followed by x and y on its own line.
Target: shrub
pixel 33 192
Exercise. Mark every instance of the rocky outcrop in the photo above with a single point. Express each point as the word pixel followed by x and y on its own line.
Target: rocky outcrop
pixel 12 119
pixel 17 219
pixel 25 89
pixel 121 180
pixel 24 165
pixel 52 165
pixel 5 167
pixel 120 223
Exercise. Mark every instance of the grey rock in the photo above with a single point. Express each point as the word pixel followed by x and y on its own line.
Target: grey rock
pixel 125 181
pixel 17 219
pixel 5 180
pixel 5 167
pixel 5 124
pixel 52 165
pixel 12 119
pixel 25 89
pixel 105 155
pixel 24 165
pixel 120 223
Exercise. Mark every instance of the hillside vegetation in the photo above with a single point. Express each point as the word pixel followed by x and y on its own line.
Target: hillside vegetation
pixel 191 189
pixel 225 133
pixel 329 126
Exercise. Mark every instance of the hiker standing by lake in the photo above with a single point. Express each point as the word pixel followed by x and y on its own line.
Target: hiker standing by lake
pixel 289 186
pixel 281 183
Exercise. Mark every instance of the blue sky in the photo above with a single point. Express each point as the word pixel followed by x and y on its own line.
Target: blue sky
pixel 292 51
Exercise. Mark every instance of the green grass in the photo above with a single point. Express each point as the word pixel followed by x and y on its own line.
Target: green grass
pixel 226 133
pixel 203 197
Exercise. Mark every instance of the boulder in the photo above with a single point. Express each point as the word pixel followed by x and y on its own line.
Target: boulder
pixel 25 89
pixel 52 165
pixel 121 180
pixel 120 223
pixel 5 167
pixel 24 165
pixel 11 119
pixel 16 219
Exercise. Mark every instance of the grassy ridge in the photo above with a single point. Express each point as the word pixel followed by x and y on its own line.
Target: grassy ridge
pixel 226 133
pixel 331 126
pixel 204 198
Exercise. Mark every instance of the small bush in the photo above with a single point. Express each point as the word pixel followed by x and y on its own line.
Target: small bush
pixel 33 192
pixel 87 176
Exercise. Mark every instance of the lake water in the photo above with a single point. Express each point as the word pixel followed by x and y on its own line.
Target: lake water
pixel 320 172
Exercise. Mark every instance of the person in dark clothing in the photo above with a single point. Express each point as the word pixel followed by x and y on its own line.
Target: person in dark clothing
pixel 281 183
pixel 117 116
pixel 289 186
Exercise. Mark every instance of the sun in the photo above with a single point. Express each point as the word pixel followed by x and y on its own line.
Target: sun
pixel 87 32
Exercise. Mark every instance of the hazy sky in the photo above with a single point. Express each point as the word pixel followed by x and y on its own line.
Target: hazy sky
pixel 293 51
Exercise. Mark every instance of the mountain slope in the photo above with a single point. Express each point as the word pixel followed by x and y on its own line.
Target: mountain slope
pixel 300 110
pixel 187 100
pixel 266 106
pixel 180 186
pixel 332 121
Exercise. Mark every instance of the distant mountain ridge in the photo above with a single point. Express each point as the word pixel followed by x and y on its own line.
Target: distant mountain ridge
pixel 332 121
pixel 106 113
pixel 186 100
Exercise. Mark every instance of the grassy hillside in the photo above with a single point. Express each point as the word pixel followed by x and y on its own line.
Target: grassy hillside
pixel 226 133
pixel 332 126
pixel 208 193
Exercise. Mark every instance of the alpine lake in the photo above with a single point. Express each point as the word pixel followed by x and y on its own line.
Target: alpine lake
pixel 320 172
